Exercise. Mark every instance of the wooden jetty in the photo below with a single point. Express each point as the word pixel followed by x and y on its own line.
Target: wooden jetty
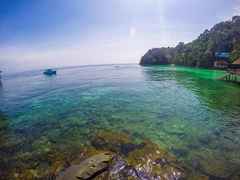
pixel 233 72
pixel 231 77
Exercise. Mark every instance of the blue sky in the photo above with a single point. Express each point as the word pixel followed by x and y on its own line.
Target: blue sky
pixel 38 34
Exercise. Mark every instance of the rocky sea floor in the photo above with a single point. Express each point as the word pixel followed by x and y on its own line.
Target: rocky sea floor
pixel 109 155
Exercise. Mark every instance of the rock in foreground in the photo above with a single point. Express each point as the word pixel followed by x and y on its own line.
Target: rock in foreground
pixel 145 161
pixel 89 168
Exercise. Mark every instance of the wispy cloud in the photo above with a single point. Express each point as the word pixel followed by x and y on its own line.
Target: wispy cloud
pixel 237 8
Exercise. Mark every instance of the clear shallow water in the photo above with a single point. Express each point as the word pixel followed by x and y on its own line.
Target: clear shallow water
pixel 185 110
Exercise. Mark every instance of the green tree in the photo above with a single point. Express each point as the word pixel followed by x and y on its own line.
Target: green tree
pixel 236 52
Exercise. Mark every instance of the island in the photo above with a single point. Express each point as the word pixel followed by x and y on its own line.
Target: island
pixel 214 48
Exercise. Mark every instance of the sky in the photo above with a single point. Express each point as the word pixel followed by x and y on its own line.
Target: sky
pixel 36 34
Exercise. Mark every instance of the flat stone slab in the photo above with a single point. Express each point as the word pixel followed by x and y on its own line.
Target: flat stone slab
pixel 89 168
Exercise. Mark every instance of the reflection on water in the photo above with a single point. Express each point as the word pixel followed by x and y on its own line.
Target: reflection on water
pixel 184 110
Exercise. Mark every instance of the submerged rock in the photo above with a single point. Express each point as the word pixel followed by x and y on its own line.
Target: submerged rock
pixel 144 161
pixel 89 168
pixel 115 142
pixel 151 162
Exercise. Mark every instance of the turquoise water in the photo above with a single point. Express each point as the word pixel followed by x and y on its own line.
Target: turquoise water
pixel 186 111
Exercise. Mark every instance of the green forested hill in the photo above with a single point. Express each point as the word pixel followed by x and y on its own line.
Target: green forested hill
pixel 223 37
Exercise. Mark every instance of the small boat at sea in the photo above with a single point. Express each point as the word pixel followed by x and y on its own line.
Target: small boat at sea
pixel 50 72
pixel 0 78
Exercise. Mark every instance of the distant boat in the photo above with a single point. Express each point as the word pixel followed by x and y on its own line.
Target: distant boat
pixel 50 72
pixel 0 78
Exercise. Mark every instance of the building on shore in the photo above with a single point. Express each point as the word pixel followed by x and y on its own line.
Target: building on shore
pixel 221 64
pixel 221 60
